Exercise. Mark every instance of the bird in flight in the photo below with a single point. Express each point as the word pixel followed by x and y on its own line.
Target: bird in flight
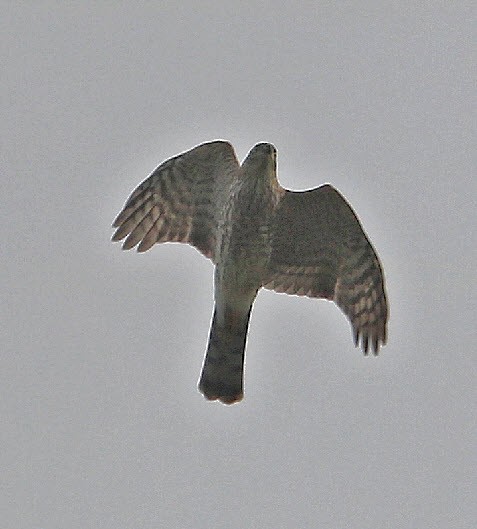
pixel 257 234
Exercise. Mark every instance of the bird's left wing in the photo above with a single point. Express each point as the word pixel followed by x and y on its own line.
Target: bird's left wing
pixel 181 201
pixel 319 249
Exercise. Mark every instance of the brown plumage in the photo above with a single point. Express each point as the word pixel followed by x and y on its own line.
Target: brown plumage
pixel 258 234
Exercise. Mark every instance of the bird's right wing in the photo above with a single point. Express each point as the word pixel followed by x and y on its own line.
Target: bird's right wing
pixel 181 201
pixel 319 249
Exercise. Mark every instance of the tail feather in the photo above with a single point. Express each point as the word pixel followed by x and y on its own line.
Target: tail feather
pixel 222 372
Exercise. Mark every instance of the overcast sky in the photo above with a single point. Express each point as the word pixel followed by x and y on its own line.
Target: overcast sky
pixel 102 425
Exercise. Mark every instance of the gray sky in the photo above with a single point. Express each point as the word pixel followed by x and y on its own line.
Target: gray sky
pixel 101 422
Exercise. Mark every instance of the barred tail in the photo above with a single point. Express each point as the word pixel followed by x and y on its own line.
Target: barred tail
pixel 222 372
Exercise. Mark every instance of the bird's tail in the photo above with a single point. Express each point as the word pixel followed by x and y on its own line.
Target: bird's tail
pixel 222 372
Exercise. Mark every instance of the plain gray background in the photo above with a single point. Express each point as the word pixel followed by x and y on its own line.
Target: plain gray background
pixel 101 422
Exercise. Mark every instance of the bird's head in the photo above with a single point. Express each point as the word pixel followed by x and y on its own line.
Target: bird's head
pixel 262 160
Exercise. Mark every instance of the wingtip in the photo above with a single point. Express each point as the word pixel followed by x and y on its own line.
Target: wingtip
pixel 118 220
pixel 115 237
pixel 128 244
pixel 369 341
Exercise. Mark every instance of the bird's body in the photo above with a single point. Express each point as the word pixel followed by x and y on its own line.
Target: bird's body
pixel 258 235
pixel 243 254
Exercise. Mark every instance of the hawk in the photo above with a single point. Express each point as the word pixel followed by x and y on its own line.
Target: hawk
pixel 257 234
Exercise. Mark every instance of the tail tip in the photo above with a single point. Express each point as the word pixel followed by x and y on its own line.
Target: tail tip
pixel 223 395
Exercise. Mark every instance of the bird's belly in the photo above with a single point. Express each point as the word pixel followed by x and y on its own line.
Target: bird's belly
pixel 245 248
pixel 242 267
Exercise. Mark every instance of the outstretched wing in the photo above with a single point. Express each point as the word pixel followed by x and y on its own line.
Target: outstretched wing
pixel 181 201
pixel 319 249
